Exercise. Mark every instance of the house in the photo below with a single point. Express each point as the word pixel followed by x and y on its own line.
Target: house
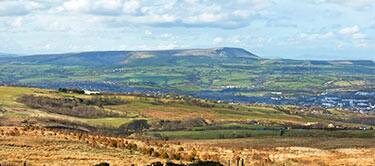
pixel 277 93
pixel 311 123
pixel 88 92
pixel 364 128
pixel 331 126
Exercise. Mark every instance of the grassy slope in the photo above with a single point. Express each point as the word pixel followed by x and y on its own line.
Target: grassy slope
pixel 155 109
pixel 140 107
pixel 241 133
pixel 45 147
pixel 41 147
pixel 16 110
pixel 31 146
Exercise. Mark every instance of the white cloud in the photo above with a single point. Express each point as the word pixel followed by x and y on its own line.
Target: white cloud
pixel 354 32
pixel 166 46
pixel 255 4
pixel 18 7
pixel 184 13
pixel 344 38
pixel 63 24
pixel 160 46
pixel 359 36
pixel 218 40
pixel 309 37
pixel 16 23
pixel 317 36
pixel 167 36
pixel 241 13
pixel 75 5
pixel 205 18
pixel 350 30
pixel 148 32
pixel 242 41
pixel 100 7
pixel 235 39
pixel 131 6
pixel 163 24
pixel 192 2
pixel 360 4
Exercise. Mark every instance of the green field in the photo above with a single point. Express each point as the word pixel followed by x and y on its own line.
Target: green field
pixel 164 70
pixel 169 118
pixel 240 133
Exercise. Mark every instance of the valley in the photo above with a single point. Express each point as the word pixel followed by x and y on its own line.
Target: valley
pixel 225 74
pixel 126 129
pixel 189 107
pixel 187 83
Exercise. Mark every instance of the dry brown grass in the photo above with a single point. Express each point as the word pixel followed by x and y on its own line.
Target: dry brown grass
pixel 273 151
pixel 38 146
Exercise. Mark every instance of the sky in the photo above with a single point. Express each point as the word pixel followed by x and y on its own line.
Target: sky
pixel 295 29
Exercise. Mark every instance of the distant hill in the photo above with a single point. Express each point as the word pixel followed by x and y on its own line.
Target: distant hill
pixel 6 55
pixel 231 74
pixel 158 57
pixel 163 57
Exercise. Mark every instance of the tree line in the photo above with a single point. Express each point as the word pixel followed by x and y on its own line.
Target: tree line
pixel 86 108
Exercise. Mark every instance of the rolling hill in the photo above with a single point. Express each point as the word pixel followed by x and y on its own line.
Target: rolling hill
pixel 42 126
pixel 6 55
pixel 118 58
pixel 118 113
pixel 230 74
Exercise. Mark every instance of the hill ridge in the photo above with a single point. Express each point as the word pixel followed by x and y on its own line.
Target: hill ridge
pixel 158 57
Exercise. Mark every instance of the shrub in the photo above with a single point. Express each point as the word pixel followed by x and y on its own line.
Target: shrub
pixel 135 126
pixel 100 101
pixel 71 90
pixel 102 164
pixel 173 164
pixel 114 143
pixel 206 163
pixel 155 154
pixel 164 155
pixel 198 163
pixel 178 125
pixel 180 149
pixel 131 146
pixel 156 164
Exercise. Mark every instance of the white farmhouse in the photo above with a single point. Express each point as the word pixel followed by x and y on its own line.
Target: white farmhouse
pixel 88 92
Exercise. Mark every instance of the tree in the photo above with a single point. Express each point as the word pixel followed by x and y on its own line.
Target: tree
pixel 135 126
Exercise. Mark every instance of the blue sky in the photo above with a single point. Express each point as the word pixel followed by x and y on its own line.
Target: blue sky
pixel 298 29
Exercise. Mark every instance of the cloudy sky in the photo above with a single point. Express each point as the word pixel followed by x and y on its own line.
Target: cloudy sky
pixel 300 29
